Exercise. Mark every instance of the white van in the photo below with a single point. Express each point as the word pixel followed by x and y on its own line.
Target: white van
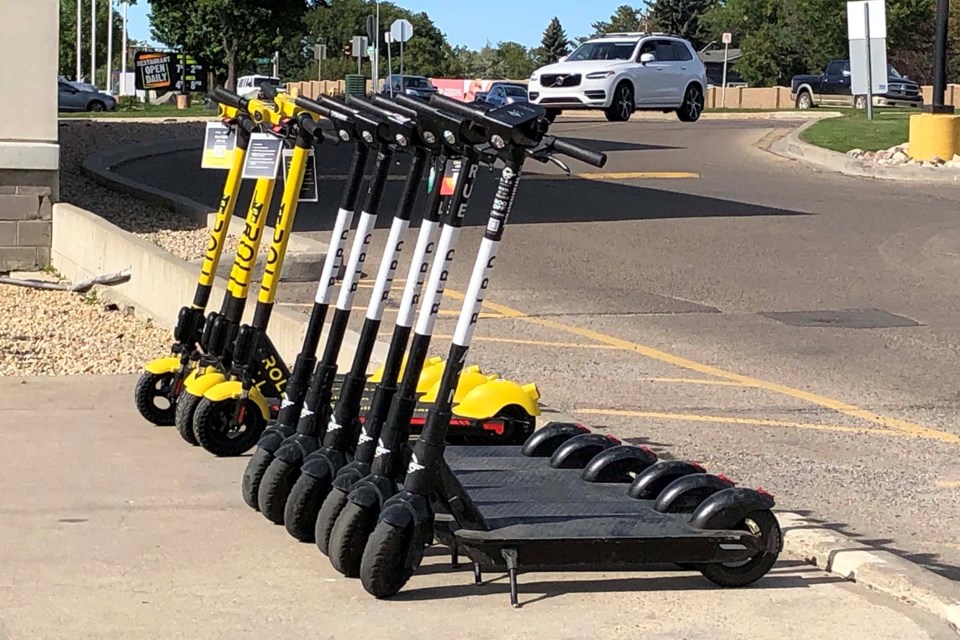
pixel 248 85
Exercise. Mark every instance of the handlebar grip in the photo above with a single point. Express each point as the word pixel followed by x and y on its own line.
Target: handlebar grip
pixel 229 98
pixel 575 151
pixel 312 106
pixel 311 126
pixel 418 105
pixel 391 105
pixel 457 107
pixel 268 91
pixel 369 107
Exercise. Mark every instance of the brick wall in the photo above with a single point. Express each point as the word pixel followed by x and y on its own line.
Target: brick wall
pixel 25 219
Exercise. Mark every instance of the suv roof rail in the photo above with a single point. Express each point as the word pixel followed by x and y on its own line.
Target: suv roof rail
pixel 614 34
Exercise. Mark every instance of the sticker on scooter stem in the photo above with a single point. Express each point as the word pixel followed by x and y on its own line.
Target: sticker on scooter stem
pixel 450 176
pixel 219 146
pixel 308 190
pixel 263 157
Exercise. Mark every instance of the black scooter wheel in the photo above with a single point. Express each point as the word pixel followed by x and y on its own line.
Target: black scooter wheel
pixel 764 525
pixel 187 405
pixel 253 475
pixel 218 431
pixel 153 397
pixel 333 504
pixel 303 507
pixel 383 569
pixel 275 488
pixel 349 536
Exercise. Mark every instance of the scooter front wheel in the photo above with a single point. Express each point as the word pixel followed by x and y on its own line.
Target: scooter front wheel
pixel 187 405
pixel 762 524
pixel 154 397
pixel 253 476
pixel 348 537
pixel 275 488
pixel 383 569
pixel 228 428
pixel 303 506
pixel 333 504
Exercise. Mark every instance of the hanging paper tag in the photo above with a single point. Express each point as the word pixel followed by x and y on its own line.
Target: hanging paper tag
pixel 263 156
pixel 308 190
pixel 219 146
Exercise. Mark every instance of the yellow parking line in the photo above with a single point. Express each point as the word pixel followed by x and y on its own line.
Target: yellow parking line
pixel 718 383
pixel 692 417
pixel 839 406
pixel 538 343
pixel 948 484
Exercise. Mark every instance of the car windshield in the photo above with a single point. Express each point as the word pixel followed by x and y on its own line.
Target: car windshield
pixel 893 72
pixel 603 51
pixel 417 83
pixel 514 91
pixel 271 81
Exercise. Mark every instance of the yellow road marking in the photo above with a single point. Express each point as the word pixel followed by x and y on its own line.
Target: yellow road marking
pixel 538 343
pixel 839 406
pixel 692 417
pixel 948 484
pixel 718 383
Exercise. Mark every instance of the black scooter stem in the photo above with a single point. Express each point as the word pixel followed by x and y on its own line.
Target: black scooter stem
pixel 321 386
pixel 396 426
pixel 343 429
pixel 292 401
pixel 427 458
pixel 419 267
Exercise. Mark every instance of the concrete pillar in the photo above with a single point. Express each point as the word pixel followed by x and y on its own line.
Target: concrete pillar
pixel 29 153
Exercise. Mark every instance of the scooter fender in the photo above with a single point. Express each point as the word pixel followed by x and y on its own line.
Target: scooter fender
pixel 429 375
pixel 577 452
pixel 350 475
pixel 371 492
pixel 470 378
pixel 649 484
pixel 544 442
pixel 233 390
pixel 274 435
pixel 200 384
pixel 488 399
pixel 686 493
pixel 726 508
pixel 618 464
pixel 168 364
pixel 296 449
pixel 411 510
pixel 323 464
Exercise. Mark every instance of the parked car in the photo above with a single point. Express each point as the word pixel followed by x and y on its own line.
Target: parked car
pixel 832 87
pixel 504 93
pixel 72 98
pixel 481 96
pixel 249 85
pixel 625 72
pixel 416 86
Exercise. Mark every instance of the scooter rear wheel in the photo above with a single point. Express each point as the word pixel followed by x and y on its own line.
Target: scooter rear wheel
pixel 349 536
pixel 186 406
pixel 383 569
pixel 333 505
pixel 218 431
pixel 764 525
pixel 153 398
pixel 253 476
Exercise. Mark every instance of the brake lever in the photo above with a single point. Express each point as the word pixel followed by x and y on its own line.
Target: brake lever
pixel 559 163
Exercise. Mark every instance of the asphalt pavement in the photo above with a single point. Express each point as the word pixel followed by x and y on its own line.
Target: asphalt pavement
pixel 795 330
pixel 113 528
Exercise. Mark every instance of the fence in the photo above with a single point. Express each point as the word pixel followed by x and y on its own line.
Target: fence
pixel 736 98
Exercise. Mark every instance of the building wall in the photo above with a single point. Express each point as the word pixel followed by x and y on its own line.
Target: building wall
pixel 29 153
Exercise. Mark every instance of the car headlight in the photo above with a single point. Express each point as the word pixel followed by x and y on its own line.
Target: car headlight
pixel 599 75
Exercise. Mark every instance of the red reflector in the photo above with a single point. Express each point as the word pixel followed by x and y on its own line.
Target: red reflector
pixel 497 427
pixel 613 438
pixel 582 427
pixel 764 492
pixel 697 466
pixel 417 421
pixel 726 479
pixel 648 450
pixel 277 128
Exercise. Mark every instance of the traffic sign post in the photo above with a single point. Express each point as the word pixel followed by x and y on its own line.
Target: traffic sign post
pixel 867 32
pixel 727 39
pixel 320 51
pixel 359 49
pixel 400 31
pixel 388 39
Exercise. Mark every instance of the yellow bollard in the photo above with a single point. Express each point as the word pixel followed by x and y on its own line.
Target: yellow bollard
pixel 934 135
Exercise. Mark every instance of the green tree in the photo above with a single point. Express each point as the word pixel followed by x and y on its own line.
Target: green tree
pixel 682 18
pixel 228 34
pixel 516 62
pixel 554 44
pixel 624 19
pixel 68 39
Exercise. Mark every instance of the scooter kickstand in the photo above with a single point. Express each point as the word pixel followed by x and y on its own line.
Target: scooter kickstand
pixel 477 574
pixel 454 557
pixel 510 555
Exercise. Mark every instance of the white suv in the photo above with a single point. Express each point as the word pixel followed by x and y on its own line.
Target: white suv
pixel 622 73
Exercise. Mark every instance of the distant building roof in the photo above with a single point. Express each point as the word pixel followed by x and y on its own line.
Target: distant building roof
pixel 715 56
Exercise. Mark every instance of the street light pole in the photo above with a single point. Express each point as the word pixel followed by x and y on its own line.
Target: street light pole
pixel 93 42
pixel 123 61
pixel 940 60
pixel 109 44
pixel 79 39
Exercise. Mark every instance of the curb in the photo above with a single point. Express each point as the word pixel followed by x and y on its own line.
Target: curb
pixel 845 557
pixel 792 147
pixel 305 256
pixel 653 116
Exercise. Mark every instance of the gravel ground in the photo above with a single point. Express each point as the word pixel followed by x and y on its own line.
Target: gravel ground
pixel 65 333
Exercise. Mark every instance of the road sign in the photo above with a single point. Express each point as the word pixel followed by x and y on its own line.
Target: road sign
pixel 371 28
pixel 867 32
pixel 262 60
pixel 320 51
pixel 401 30
pixel 359 46
pixel 370 52
pixel 727 38
pixel 856 19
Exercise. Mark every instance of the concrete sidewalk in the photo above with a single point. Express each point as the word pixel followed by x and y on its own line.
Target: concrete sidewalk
pixel 112 528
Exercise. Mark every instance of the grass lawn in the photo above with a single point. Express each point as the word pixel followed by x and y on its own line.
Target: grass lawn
pixel 889 128
pixel 149 111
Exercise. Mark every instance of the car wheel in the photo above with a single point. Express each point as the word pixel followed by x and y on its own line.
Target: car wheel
pixel 860 102
pixel 804 100
pixel 692 106
pixel 553 114
pixel 623 105
pixel 96 105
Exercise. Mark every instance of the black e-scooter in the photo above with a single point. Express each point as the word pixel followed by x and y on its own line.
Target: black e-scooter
pixel 732 536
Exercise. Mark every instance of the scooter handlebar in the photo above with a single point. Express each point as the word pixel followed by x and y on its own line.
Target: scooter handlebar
pixel 416 105
pixel 455 106
pixel 229 98
pixel 394 106
pixel 575 151
pixel 371 108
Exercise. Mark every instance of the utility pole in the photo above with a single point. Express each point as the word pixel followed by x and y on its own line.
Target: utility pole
pixel 79 39
pixel 93 42
pixel 940 60
pixel 109 45
pixel 123 61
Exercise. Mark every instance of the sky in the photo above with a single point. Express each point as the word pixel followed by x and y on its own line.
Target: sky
pixel 520 21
